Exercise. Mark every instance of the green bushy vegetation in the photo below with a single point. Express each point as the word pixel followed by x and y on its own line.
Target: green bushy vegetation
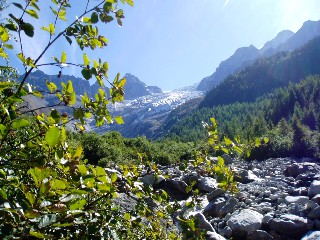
pixel 111 148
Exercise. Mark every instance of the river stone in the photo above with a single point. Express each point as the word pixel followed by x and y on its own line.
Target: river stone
pixel 290 225
pixel 245 176
pixel 203 222
pixel 259 234
pixel 214 236
pixel 213 208
pixel 314 188
pixel 218 192
pixel 292 171
pixel 207 184
pixel 315 213
pixel 245 222
pixel 226 232
pixel 190 177
pixel 299 199
pixel 316 198
pixel 312 235
pixel 228 207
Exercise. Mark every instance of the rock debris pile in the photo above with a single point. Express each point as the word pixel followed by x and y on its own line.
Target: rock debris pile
pixel 277 199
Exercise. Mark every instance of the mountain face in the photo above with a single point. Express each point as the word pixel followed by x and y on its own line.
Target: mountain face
pixel 265 75
pixel 228 66
pixel 284 41
pixel 281 38
pixel 134 88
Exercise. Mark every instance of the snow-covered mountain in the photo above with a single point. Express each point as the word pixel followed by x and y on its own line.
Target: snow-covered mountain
pixel 144 115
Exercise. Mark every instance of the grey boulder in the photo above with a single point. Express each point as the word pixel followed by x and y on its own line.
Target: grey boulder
pixel 245 222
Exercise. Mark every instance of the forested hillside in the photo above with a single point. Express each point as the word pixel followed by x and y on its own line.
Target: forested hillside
pixel 282 114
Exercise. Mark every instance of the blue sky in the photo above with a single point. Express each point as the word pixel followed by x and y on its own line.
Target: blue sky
pixel 176 43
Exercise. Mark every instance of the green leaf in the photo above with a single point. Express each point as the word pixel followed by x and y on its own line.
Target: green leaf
pixel 3 195
pixel 28 29
pixel 3 129
pixel 122 83
pixel 119 120
pixel 130 2
pixel 89 182
pixel 18 5
pixel 220 161
pixel 37 234
pixel 32 214
pixel 190 204
pixel 39 174
pixel 20 123
pixel 82 170
pixel 228 141
pixel 266 140
pixel 86 60
pixel 94 18
pixel 62 15
pixel 86 73
pixel 51 86
pixel 63 57
pixel 57 184
pixel 127 216
pixel 100 172
pixel 44 189
pixel 50 29
pixel 79 204
pixel 257 142
pixel 68 39
pixel 32 13
pixel 114 177
pixel 53 136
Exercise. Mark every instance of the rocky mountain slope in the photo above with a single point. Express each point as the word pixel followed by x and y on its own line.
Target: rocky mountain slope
pixel 284 41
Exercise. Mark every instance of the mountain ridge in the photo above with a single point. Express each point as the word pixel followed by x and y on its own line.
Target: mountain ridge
pixel 284 41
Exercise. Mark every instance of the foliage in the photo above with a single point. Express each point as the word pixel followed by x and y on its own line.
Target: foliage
pixel 115 149
pixel 46 189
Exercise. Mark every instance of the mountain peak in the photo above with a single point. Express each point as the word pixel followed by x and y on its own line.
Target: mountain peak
pixel 135 88
pixel 281 37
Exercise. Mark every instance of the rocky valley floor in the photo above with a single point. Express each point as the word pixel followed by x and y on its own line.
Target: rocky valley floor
pixel 277 199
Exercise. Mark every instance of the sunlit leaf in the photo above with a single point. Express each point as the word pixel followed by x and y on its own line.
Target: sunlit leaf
pixel 53 136
pixel 86 60
pixel 63 57
pixel 79 204
pixel 32 13
pixel 127 216
pixel 20 123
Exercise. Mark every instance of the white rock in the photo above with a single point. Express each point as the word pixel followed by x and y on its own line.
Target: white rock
pixel 312 235
pixel 246 221
pixel 314 188
pixel 296 200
